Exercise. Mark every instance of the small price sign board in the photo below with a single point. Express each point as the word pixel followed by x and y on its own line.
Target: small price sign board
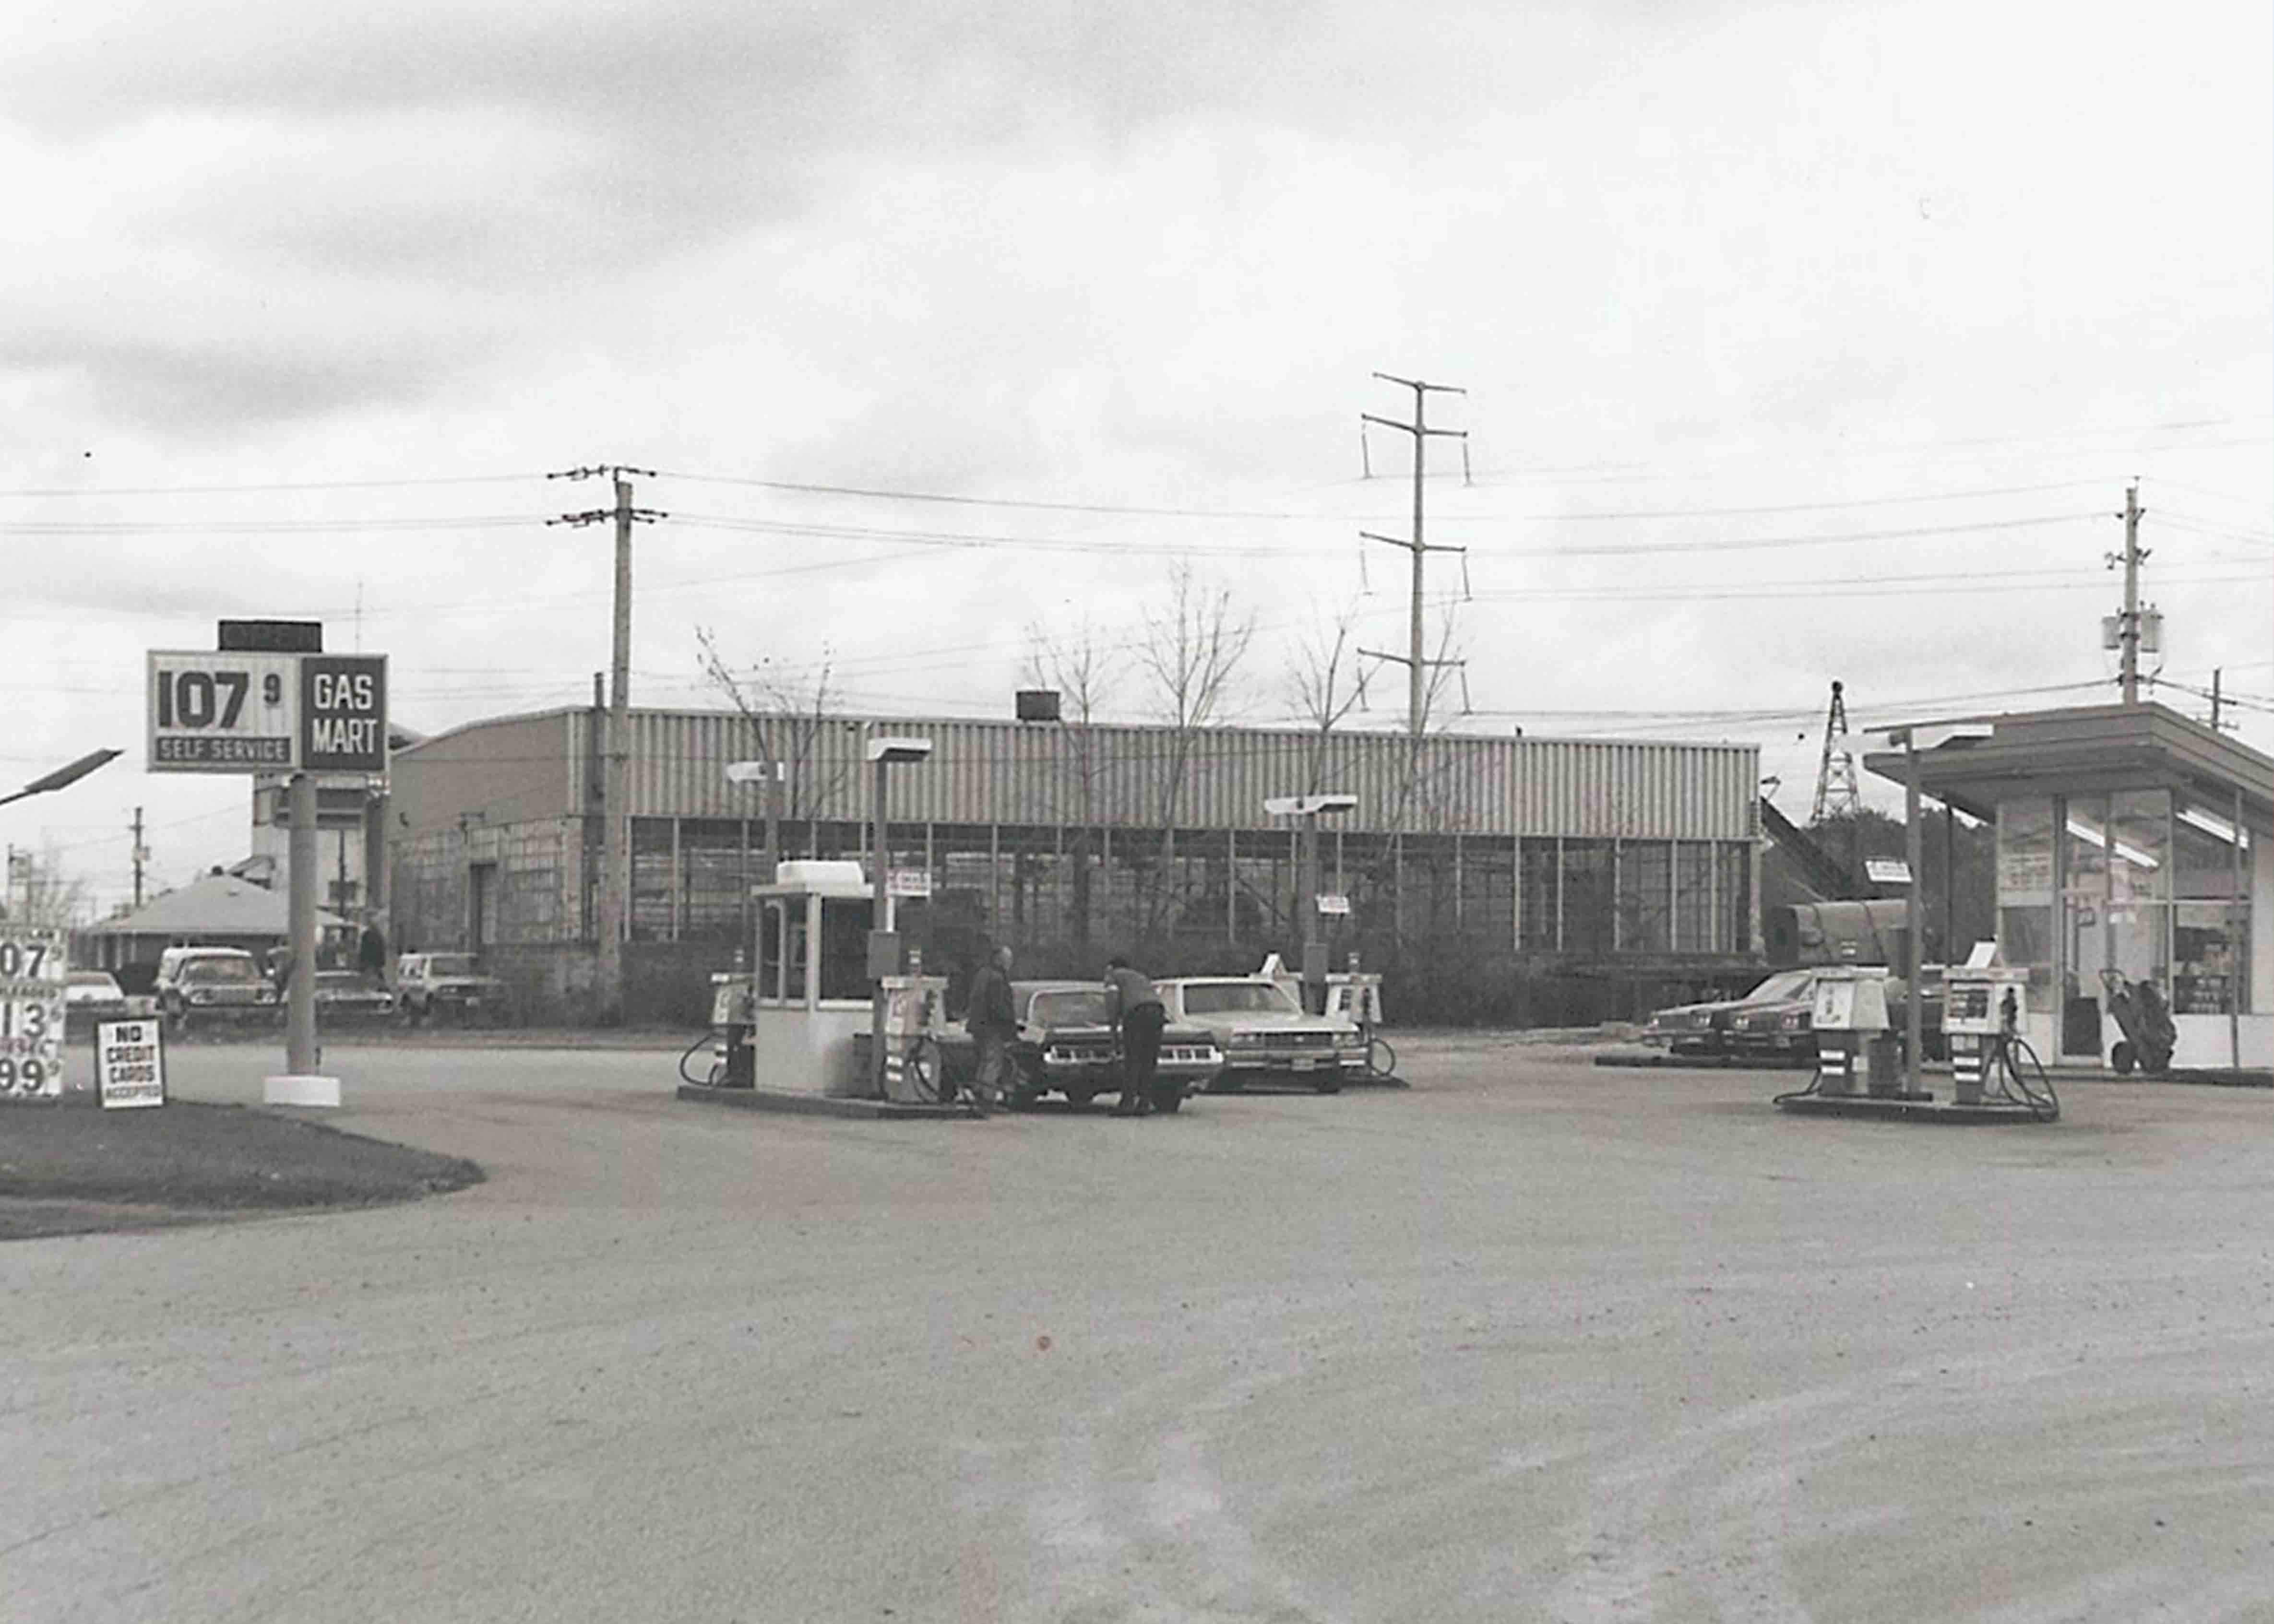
pixel 31 977
pixel 129 1064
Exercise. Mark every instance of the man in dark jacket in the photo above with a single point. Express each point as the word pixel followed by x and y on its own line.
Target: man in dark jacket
pixel 1134 1008
pixel 993 1020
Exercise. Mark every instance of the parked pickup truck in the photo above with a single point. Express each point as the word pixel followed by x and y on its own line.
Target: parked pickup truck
pixel 435 986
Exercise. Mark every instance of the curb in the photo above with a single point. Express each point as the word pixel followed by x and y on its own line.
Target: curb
pixel 1907 1110
pixel 1701 1063
pixel 792 1103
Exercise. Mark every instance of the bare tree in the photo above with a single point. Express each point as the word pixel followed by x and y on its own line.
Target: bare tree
pixel 1326 682
pixel 1423 805
pixel 787 715
pixel 1190 650
pixel 41 894
pixel 1083 668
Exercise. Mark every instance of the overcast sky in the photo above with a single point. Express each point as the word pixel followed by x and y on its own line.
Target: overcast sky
pixel 1801 343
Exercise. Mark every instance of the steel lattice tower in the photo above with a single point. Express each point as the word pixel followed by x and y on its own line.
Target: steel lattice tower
pixel 1836 793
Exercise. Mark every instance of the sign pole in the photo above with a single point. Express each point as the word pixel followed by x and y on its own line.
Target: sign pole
pixel 300 994
pixel 880 911
pixel 1914 970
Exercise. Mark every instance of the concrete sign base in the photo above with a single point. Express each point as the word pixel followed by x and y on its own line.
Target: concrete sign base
pixel 289 1090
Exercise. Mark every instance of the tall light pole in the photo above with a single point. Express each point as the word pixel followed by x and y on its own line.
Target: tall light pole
pixel 1912 741
pixel 884 945
pixel 1315 947
pixel 770 774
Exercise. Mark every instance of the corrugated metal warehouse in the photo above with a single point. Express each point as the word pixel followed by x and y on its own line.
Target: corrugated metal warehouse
pixel 1506 878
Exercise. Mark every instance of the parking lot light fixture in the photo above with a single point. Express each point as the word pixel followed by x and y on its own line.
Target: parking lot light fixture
pixel 1309 809
pixel 886 753
pixel 62 776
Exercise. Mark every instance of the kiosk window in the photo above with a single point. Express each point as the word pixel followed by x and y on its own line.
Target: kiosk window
pixel 845 948
pixel 772 917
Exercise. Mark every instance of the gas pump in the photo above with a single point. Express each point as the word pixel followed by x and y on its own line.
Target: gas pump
pixel 1850 1019
pixel 1357 998
pixel 1979 1002
pixel 733 1015
pixel 915 1013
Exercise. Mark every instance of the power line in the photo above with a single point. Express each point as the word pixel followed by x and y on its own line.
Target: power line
pixel 314 484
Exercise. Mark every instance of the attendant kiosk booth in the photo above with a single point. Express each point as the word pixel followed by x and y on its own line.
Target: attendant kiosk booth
pixel 2129 838
pixel 813 988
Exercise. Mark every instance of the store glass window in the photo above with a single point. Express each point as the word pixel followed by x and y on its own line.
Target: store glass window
pixel 2210 924
pixel 2026 851
pixel 2140 846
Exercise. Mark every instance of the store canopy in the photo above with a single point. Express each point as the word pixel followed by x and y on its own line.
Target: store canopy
pixel 220 905
pixel 2086 751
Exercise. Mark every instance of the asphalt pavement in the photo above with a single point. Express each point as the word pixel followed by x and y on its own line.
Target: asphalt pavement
pixel 1530 1341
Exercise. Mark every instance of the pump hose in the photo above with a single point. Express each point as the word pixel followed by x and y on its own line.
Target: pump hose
pixel 1815 1082
pixel 708 1036
pixel 2044 1104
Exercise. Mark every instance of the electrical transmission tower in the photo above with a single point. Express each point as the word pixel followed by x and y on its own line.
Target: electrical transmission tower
pixel 1416 663
pixel 1836 793
pixel 615 822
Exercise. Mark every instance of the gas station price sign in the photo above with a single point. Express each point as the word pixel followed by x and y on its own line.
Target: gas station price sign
pixel 223 712
pixel 31 977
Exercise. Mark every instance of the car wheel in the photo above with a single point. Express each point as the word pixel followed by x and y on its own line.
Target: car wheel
pixel 1227 1082
pixel 1079 1098
pixel 1328 1085
pixel 1169 1099
pixel 2120 1057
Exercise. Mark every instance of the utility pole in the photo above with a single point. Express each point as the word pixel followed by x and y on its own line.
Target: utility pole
pixel 2217 672
pixel 141 856
pixel 615 825
pixel 1416 665
pixel 2127 625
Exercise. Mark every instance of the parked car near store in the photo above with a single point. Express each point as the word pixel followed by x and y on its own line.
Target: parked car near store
pixel 1065 1046
pixel 446 987
pixel 217 986
pixel 1709 1029
pixel 1783 1028
pixel 347 997
pixel 1775 1022
pixel 92 996
pixel 1265 1032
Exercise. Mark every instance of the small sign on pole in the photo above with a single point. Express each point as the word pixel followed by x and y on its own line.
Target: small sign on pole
pixel 32 973
pixel 1887 870
pixel 1330 903
pixel 909 882
pixel 129 1064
